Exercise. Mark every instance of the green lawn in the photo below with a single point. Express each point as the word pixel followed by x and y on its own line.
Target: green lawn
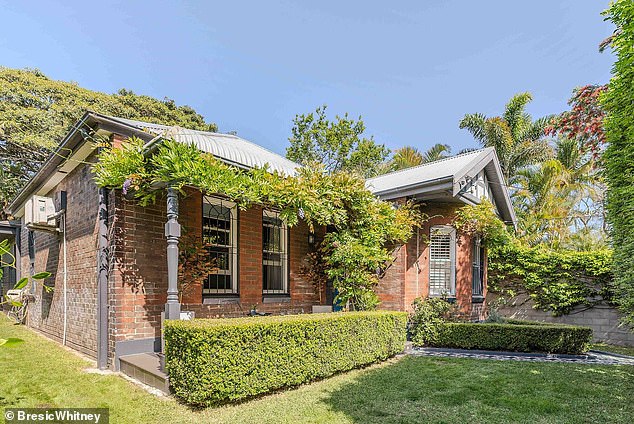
pixel 623 350
pixel 38 372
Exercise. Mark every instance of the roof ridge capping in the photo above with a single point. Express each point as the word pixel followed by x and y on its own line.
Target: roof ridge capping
pixel 473 152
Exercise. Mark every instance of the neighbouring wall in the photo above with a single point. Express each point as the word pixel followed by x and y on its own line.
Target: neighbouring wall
pixel 603 319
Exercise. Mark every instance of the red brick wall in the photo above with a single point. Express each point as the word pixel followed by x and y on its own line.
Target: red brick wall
pixel 410 281
pixel 139 280
pixel 138 277
pixel 47 312
pixel 391 287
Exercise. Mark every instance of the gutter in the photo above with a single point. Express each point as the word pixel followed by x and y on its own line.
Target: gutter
pixel 394 192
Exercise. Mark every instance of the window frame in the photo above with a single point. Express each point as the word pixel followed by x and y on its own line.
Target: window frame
pixel 285 255
pixel 233 247
pixel 451 231
pixel 478 265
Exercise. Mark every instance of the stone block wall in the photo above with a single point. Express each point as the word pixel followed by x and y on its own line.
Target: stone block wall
pixel 603 319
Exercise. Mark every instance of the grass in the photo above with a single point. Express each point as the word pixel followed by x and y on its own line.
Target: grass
pixel 623 350
pixel 38 372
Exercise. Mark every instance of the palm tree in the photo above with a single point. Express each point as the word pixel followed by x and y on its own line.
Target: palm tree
pixel 405 157
pixel 408 156
pixel 518 140
pixel 436 152
pixel 553 197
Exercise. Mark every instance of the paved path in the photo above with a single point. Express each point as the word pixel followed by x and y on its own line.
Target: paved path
pixel 596 358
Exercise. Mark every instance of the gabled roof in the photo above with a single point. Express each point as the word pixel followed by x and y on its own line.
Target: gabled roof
pixel 450 175
pixel 226 147
pixel 74 149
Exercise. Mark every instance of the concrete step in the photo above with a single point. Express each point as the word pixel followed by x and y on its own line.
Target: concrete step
pixel 146 368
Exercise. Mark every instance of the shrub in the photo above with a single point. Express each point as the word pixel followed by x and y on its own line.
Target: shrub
pixel 427 315
pixel 494 317
pixel 516 337
pixel 219 360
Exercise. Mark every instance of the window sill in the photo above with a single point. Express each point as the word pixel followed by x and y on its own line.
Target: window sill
pixel 449 298
pixel 477 299
pixel 224 300
pixel 276 298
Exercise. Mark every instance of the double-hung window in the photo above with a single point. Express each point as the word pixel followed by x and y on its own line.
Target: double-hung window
pixel 442 261
pixel 478 268
pixel 274 254
pixel 220 231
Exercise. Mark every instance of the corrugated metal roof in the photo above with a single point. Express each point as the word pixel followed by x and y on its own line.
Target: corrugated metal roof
pixel 227 147
pixel 428 172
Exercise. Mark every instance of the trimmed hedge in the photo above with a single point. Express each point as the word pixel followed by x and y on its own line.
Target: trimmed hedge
pixel 212 361
pixel 526 322
pixel 516 337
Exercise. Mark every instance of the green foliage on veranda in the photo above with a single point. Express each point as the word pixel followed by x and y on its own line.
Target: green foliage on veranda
pixel 36 112
pixel 355 251
pixel 619 155
pixel 482 221
pixel 220 360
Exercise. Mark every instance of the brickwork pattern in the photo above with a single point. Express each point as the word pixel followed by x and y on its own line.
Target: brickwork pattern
pixel 408 277
pixel 46 314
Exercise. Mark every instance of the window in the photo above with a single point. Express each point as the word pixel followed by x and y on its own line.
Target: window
pixel 478 268
pixel 442 260
pixel 274 254
pixel 220 234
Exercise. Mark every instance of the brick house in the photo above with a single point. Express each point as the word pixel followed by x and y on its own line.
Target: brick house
pixel 120 274
pixel 438 261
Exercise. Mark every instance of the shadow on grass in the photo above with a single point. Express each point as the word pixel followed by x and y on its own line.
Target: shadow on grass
pixel 414 390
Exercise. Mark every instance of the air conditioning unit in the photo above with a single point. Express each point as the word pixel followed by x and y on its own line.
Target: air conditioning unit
pixel 37 211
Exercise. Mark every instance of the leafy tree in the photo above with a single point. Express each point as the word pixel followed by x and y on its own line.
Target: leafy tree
pixel 584 121
pixel 338 145
pixel 618 157
pixel 36 112
pixel 518 140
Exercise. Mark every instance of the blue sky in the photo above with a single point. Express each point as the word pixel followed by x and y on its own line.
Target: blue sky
pixel 411 69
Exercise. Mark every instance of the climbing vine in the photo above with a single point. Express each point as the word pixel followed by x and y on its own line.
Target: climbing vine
pixel 482 221
pixel 556 280
pixel 355 250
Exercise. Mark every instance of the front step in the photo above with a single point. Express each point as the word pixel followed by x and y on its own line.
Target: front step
pixel 146 368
